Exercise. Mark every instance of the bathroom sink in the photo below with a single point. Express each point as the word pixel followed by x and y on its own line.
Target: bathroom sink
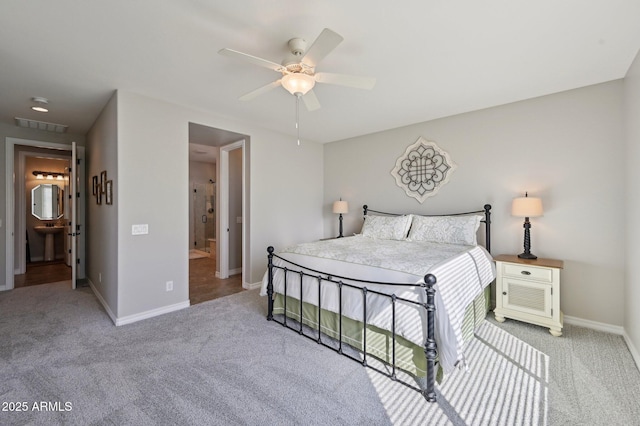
pixel 48 232
pixel 48 229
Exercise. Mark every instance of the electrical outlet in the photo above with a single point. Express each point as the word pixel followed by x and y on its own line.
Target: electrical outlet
pixel 169 285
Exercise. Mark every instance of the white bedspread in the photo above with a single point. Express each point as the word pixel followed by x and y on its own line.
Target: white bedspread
pixel 462 273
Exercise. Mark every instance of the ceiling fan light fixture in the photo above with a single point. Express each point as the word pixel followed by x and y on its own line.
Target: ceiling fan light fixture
pixel 298 83
pixel 41 104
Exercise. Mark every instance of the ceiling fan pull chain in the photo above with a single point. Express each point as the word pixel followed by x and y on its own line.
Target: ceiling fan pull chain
pixel 298 116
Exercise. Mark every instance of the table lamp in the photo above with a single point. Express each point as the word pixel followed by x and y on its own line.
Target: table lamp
pixel 526 207
pixel 340 207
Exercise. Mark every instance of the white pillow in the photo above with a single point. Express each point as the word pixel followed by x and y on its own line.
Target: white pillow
pixel 386 227
pixel 445 229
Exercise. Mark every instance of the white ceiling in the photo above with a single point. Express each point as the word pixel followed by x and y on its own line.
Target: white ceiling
pixel 431 58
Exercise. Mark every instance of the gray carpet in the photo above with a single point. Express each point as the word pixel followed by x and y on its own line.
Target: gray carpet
pixel 593 379
pixel 221 362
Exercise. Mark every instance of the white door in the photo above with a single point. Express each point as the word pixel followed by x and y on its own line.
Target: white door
pixel 73 228
pixel 77 226
pixel 223 208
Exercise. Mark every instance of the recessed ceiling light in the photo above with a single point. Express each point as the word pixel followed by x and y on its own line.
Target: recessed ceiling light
pixel 42 104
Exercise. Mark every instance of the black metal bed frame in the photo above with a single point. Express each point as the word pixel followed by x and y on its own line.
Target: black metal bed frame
pixel 430 349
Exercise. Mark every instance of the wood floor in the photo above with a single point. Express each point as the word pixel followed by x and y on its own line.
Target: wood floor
pixel 43 273
pixel 203 284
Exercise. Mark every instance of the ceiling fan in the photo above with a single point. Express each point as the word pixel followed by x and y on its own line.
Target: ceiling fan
pixel 298 71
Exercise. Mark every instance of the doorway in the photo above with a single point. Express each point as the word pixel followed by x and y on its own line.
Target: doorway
pixel 42 215
pixel 22 245
pixel 208 203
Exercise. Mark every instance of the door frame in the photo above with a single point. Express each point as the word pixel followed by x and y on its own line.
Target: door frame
pixel 10 144
pixel 223 210
pixel 19 203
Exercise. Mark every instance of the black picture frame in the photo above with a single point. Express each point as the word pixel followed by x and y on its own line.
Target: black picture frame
pixel 95 185
pixel 103 180
pixel 108 197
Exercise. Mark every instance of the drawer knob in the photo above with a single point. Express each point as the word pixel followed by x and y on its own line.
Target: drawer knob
pixel 504 293
pixel 525 272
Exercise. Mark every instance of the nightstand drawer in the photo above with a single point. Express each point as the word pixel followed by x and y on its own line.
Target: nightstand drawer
pixel 526 272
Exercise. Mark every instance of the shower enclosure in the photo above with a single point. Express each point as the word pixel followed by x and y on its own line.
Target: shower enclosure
pixel 204 216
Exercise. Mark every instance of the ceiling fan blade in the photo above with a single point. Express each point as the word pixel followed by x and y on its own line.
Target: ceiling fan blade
pixel 311 101
pixel 321 47
pixel 354 81
pixel 259 91
pixel 250 58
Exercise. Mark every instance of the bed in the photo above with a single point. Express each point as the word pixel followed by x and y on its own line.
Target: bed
pixel 407 292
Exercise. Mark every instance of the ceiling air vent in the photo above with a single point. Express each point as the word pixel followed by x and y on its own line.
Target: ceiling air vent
pixel 41 125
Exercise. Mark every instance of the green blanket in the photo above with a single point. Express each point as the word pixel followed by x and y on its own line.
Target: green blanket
pixel 409 356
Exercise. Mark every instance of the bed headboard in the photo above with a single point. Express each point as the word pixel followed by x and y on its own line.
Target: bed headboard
pixel 486 211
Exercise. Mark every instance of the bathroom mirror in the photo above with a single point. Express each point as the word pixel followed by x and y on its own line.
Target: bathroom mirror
pixel 47 201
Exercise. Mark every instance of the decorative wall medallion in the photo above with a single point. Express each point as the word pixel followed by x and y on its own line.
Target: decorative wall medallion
pixel 423 169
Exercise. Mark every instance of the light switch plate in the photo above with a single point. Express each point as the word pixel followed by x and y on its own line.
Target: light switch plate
pixel 139 229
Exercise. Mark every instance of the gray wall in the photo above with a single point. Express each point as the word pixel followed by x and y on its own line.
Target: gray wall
pixel 151 173
pixel 632 193
pixel 102 220
pixel 566 148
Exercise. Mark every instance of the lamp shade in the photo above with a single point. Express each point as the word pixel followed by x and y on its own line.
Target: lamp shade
pixel 298 83
pixel 341 207
pixel 526 207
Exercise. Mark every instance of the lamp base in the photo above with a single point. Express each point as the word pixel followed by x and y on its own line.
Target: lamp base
pixel 527 256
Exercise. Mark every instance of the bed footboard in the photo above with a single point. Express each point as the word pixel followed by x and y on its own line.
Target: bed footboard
pixel 368 287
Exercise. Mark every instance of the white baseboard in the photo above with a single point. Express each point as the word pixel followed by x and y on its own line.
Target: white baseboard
pixel 152 313
pixel 251 286
pixel 235 271
pixel 634 352
pixel 607 328
pixel 594 325
pixel 102 301
pixel 137 317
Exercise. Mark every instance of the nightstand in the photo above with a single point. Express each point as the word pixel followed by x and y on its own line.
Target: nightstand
pixel 529 290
